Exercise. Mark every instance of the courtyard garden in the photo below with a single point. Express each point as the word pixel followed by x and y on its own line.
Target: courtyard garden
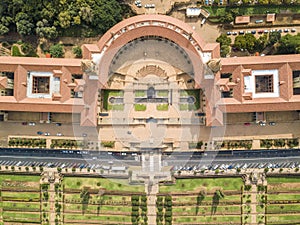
pixel 205 201
pixel 21 200
pixel 189 100
pixel 112 100
pixel 103 201
pixel 283 200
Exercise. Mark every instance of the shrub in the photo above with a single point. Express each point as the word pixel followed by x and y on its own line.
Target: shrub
pixel 57 51
pixel 77 51
pixel 16 51
pixel 108 144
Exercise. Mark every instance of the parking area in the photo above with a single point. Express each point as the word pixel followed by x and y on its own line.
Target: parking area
pixel 257 32
pixel 218 166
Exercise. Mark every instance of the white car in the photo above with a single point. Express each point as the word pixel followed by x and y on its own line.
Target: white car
pixel 31 123
pixel 47 134
pixel 59 134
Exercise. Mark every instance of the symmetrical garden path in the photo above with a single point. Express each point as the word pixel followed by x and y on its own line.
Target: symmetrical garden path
pixel 253 203
pixel 151 190
pixel 52 204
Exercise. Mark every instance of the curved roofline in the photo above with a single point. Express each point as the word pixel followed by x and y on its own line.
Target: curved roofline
pixel 167 22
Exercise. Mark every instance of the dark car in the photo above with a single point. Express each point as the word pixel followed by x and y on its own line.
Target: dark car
pixel 58 124
pixel 24 123
pixel 39 133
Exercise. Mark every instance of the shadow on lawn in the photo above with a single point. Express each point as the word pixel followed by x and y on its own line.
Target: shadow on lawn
pixel 200 198
pixel 215 201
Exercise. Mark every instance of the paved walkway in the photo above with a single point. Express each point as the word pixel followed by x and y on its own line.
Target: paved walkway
pixel 151 191
pixel 52 213
pixel 253 203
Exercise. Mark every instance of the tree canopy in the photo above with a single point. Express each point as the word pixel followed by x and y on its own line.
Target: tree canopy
pixel 289 44
pixel 46 18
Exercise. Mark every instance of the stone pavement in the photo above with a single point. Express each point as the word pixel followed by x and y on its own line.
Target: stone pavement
pixel 151 190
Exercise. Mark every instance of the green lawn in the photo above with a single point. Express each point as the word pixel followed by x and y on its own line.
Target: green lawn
pixel 283 219
pixel 207 219
pixel 283 196
pixel 116 218
pixel 283 208
pixel 139 93
pixel 183 107
pixel 109 184
pixel 283 180
pixel 117 107
pixel 112 93
pixel 163 93
pixel 162 107
pixel 19 178
pixel 204 210
pixel 208 183
pixel 193 93
pixel 140 107
pixel 208 198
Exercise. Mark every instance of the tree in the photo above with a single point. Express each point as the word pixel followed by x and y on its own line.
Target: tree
pixel 226 18
pixel 288 44
pixel 224 40
pixel 275 2
pixel 261 43
pixel 250 42
pixel 77 51
pixel 106 13
pixel 263 2
pixel 3 29
pixel 240 42
pixel 57 51
pixel 274 37
pixel 64 19
pixel 43 30
pixel 24 26
pixel 86 14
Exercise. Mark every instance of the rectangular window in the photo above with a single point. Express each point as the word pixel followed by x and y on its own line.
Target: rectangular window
pixel 40 85
pixel 227 94
pixel 264 84
pixel 296 82
pixel 226 75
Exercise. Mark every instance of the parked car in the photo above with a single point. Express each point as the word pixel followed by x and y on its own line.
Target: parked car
pixel 59 134
pixel 293 30
pixel 253 31
pixel 24 123
pixel 31 123
pixel 58 124
pixel 39 133
pixel 272 123
pixel 262 123
pixel 47 134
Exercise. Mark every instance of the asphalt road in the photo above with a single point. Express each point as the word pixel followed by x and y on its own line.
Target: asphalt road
pixel 84 158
